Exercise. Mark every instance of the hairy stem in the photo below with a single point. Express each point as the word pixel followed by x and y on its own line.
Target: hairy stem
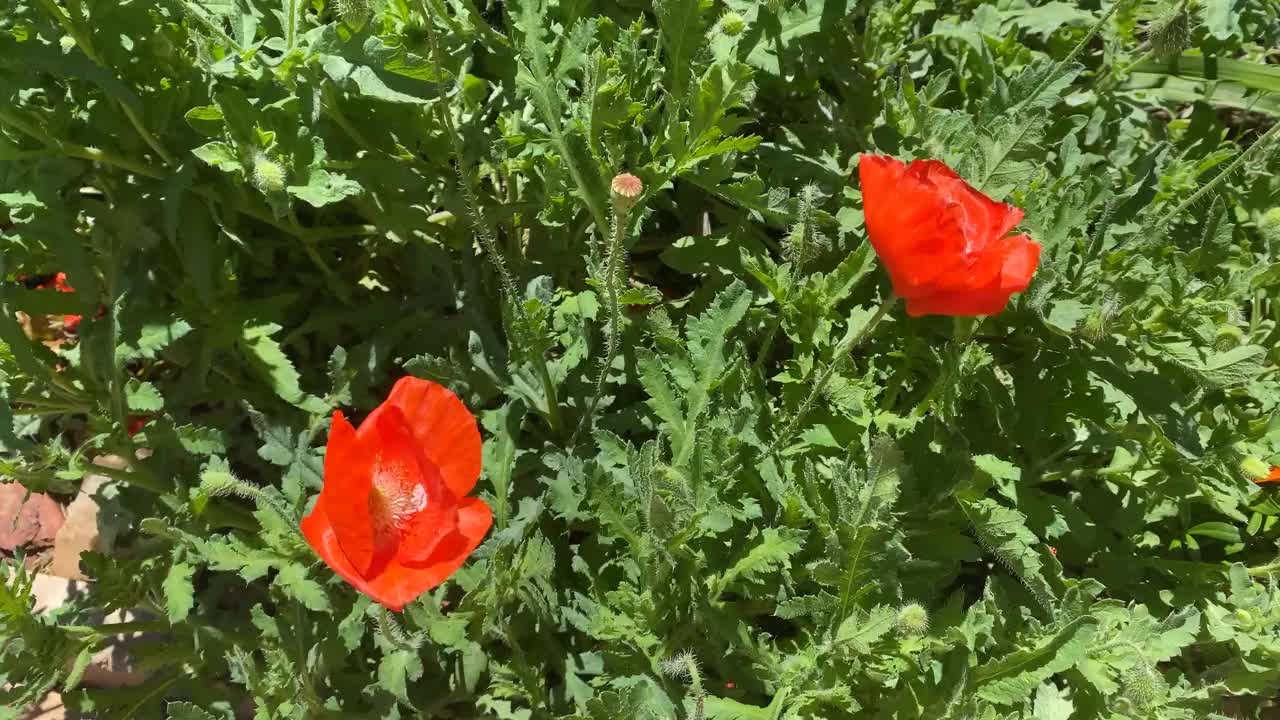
pixel 1208 187
pixel 612 271
pixel 465 172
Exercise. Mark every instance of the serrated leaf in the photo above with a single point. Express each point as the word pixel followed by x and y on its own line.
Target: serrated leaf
pixel 295 583
pixel 1003 532
pixel 325 188
pixel 772 553
pixel 280 372
pixel 219 155
pixel 860 631
pixel 179 594
pixel 395 672
pixel 151 339
pixel 1011 679
pixel 143 396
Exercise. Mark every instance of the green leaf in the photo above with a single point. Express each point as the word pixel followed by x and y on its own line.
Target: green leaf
pixel 708 334
pixel 718 708
pixel 179 594
pixel 1218 531
pixel 1003 532
pixel 1052 703
pixel 325 188
pixel 1011 679
pixel 277 367
pixel 293 579
pixel 861 631
pixel 772 553
pixel 151 339
pixel 396 670
pixel 680 23
pixel 219 155
pixel 1221 18
pixel 143 396
pixel 997 468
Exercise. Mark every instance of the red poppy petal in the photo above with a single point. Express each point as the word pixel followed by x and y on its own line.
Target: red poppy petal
pixel 348 479
pixel 400 585
pixel 988 301
pixel 318 531
pixel 1019 263
pixel 985 221
pixel 412 485
pixel 445 430
pixel 909 224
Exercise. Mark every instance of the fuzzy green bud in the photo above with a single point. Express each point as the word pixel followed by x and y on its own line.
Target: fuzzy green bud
pixel 1094 327
pixel 1142 684
pixel 732 24
pixel 352 11
pixel 1269 226
pixel 268 174
pixel 1170 34
pixel 414 34
pixel 1243 616
pixel 912 620
pixel 1254 469
pixel 1227 337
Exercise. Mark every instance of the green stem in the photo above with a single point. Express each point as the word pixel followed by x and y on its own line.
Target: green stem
pixel 1075 52
pixel 612 270
pixel 549 388
pixel 1208 187
pixel 837 361
pixel 465 172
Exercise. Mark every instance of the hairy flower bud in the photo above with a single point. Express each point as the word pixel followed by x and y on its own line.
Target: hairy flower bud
pixel 1254 469
pixel 627 186
pixel 1227 337
pixel 1142 684
pixel 268 174
pixel 1269 226
pixel 912 620
pixel 352 11
pixel 1170 33
pixel 732 24
pixel 626 189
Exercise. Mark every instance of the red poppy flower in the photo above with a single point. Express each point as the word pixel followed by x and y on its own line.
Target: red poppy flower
pixel 136 423
pixel 946 246
pixel 69 322
pixel 393 518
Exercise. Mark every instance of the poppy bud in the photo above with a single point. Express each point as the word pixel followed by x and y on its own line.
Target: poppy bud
pixel 1227 337
pixel 353 11
pixel 912 620
pixel 1254 469
pixel 268 174
pixel 1170 33
pixel 1142 684
pixel 1269 226
pixel 732 24
pixel 626 188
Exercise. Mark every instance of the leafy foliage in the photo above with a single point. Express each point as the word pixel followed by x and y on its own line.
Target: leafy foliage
pixel 705 505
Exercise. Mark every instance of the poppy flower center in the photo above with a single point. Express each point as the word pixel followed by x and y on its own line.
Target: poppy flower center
pixel 395 498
